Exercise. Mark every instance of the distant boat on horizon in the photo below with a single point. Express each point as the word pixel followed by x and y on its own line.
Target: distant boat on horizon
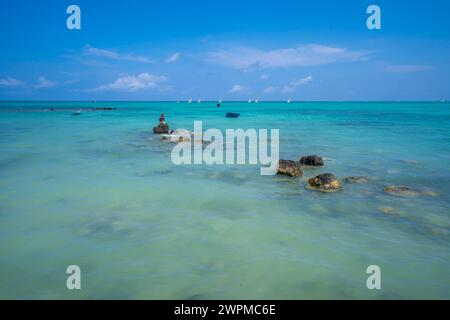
pixel 190 100
pixel 249 100
pixel 288 101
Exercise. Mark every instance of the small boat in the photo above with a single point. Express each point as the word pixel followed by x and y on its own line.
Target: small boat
pixel 77 113
pixel 232 115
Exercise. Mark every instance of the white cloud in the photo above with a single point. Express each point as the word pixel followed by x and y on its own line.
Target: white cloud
pixel 10 82
pixel 306 55
pixel 93 63
pixel 174 57
pixel 71 81
pixel 264 77
pixel 291 86
pixel 237 89
pixel 109 54
pixel 43 83
pixel 134 83
pixel 270 90
pixel 407 68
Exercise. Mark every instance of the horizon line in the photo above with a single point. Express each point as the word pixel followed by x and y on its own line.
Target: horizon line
pixel 204 101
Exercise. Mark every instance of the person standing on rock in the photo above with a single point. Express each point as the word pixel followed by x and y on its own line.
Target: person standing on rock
pixel 162 127
pixel 162 119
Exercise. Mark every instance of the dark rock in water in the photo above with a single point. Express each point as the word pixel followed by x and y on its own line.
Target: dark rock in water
pixel 326 182
pixel 357 179
pixel 161 128
pixel 290 168
pixel 313 161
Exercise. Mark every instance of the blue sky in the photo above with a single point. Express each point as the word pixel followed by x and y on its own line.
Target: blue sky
pixel 230 50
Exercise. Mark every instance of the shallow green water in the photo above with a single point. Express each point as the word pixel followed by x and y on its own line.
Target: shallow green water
pixel 100 191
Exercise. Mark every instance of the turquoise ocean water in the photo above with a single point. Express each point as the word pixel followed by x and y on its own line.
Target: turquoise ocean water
pixel 100 191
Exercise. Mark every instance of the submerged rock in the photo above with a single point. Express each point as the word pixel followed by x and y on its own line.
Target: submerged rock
pixel 356 179
pixel 312 161
pixel 161 128
pixel 401 191
pixel 387 210
pixel 440 232
pixel 326 182
pixel 393 212
pixel 430 193
pixel 289 168
pixel 407 191
pixel 412 162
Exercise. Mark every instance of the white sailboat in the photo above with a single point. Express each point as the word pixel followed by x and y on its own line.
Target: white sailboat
pixel 249 100
pixel 288 100
pixel 190 100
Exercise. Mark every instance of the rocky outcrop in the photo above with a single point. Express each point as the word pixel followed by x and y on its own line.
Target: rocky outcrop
pixel 289 168
pixel 326 182
pixel 161 128
pixel 312 161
